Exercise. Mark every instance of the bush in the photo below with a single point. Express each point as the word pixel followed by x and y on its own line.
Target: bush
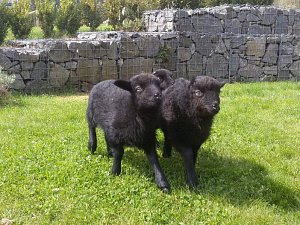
pixel 287 3
pixel 46 16
pixel 3 22
pixel 129 10
pixel 92 13
pixel 68 18
pixel 5 81
pixel 220 2
pixel 20 20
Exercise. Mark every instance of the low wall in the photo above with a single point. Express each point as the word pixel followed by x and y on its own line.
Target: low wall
pixel 235 19
pixel 93 57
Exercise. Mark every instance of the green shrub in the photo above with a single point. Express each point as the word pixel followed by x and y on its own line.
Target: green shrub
pixel 46 16
pixel 68 18
pixel 192 4
pixel 220 2
pixel 129 10
pixel 5 81
pixel 3 22
pixel 113 10
pixel 20 20
pixel 92 13
pixel 133 25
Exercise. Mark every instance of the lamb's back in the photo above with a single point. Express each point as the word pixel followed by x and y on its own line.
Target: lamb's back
pixel 110 105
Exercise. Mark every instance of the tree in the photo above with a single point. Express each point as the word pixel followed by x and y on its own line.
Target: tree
pixel 46 16
pixel 3 22
pixel 20 20
pixel 92 13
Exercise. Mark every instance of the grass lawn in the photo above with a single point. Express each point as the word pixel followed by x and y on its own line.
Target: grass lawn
pixel 249 168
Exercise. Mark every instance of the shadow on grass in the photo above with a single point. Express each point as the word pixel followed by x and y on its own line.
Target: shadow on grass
pixel 239 181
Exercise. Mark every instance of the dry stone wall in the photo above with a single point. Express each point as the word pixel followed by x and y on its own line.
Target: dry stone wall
pixel 93 57
pixel 235 19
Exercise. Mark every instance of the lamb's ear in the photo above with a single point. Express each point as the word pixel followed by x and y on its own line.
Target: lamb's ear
pixel 193 79
pixel 123 84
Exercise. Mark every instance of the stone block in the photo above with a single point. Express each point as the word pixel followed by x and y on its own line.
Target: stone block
pixel 58 76
pixel 183 54
pixel 194 66
pixel 18 83
pixel 256 47
pixel 250 73
pixel 217 66
pixel 5 62
pixel 109 69
pixel 59 52
pixel 40 71
pixel 89 70
pixel 83 49
pixel 233 26
pixel 281 25
pixel 271 54
pixel 284 61
pixel 207 24
pixel 131 67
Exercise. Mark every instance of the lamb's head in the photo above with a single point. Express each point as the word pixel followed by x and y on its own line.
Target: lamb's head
pixel 145 91
pixel 205 95
pixel 165 78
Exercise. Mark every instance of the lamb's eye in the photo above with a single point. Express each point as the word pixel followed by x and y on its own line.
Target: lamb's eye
pixel 138 89
pixel 198 93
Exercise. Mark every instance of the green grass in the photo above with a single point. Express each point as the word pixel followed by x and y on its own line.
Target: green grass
pixel 249 168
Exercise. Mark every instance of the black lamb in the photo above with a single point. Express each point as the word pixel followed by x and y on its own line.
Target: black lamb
pixel 188 110
pixel 128 112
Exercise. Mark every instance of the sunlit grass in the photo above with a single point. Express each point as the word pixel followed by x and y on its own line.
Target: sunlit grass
pixel 249 167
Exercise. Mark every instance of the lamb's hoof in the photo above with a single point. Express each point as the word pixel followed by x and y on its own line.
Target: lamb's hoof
pixel 92 151
pixel 166 190
pixel 194 187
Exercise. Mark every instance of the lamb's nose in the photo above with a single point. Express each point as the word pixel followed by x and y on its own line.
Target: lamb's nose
pixel 215 106
pixel 157 95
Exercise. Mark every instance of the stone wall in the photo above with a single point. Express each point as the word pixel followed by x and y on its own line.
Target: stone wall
pixel 98 56
pixel 233 19
pixel 219 50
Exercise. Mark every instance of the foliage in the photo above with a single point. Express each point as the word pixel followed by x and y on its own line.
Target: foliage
pixel 68 17
pixel 164 54
pixel 133 25
pixel 207 3
pixel 287 3
pixel 92 13
pixel 113 10
pixel 191 4
pixel 3 22
pixel 249 167
pixel 5 81
pixel 129 10
pixel 46 16
pixel 20 20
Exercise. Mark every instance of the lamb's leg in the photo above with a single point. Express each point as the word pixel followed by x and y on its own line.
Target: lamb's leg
pixel 189 164
pixel 108 149
pixel 92 143
pixel 160 177
pixel 195 153
pixel 167 150
pixel 118 153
